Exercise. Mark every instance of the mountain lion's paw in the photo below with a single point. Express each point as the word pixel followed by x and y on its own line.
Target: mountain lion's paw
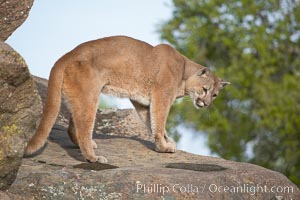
pixel 101 159
pixel 168 146
pixel 29 150
pixel 98 159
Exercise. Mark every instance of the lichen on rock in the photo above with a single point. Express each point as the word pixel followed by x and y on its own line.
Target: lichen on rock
pixel 20 109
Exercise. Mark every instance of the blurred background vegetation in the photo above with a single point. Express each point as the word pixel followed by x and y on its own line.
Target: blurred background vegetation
pixel 254 44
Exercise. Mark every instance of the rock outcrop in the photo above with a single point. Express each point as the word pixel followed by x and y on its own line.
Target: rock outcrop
pixel 12 14
pixel 136 171
pixel 20 109
pixel 20 105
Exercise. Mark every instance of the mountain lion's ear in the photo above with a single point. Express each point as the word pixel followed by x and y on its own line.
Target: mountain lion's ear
pixel 224 83
pixel 203 72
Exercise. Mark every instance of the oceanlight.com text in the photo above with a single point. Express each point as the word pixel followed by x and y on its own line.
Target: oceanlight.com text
pixel 212 188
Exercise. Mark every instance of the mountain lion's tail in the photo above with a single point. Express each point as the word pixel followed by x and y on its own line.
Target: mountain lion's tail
pixel 51 109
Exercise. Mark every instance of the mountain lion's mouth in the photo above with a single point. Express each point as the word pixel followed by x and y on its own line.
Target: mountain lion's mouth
pixel 198 103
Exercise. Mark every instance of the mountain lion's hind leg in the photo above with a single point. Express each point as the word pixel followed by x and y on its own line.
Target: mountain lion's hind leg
pixel 82 86
pixel 84 118
pixel 72 134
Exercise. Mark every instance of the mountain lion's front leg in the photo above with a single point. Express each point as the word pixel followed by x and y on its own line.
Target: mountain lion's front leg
pixel 159 110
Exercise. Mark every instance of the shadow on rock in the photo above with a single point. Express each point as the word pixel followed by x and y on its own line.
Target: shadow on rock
pixel 196 167
pixel 59 136
pixel 95 166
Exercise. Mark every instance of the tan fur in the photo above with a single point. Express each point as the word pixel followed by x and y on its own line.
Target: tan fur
pixel 152 77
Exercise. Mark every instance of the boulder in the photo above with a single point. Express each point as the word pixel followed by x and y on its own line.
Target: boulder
pixel 20 109
pixel 135 171
pixel 12 14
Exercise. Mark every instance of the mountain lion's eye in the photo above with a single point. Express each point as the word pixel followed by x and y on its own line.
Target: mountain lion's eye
pixel 215 95
pixel 205 89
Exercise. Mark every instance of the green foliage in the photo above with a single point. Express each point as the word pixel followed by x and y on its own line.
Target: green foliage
pixel 254 44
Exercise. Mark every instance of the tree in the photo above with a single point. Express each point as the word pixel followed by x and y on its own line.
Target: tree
pixel 254 44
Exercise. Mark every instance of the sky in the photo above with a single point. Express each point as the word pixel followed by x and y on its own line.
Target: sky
pixel 55 27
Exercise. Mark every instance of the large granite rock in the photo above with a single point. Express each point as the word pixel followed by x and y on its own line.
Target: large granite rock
pixel 20 109
pixel 136 171
pixel 12 14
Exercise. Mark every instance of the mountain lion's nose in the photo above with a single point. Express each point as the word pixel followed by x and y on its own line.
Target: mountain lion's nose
pixel 201 103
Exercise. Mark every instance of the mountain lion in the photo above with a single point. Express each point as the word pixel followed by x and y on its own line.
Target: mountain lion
pixel 151 77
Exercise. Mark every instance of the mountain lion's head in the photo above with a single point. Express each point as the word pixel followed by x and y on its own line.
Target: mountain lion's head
pixel 203 87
